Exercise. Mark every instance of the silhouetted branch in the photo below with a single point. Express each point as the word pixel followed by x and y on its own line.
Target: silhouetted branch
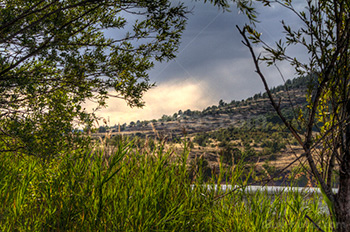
pixel 307 144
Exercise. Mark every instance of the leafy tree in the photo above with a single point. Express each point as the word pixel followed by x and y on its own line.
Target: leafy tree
pixel 57 54
pixel 175 115
pixel 188 112
pixel 166 118
pixel 222 103
pixel 325 36
pixel 102 129
pixel 201 139
pixel 122 127
pixel 230 155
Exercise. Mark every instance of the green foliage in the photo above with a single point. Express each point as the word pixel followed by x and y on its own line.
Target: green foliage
pixel 200 171
pixel 273 145
pixel 231 155
pixel 102 129
pixel 55 55
pixel 201 139
pixel 254 134
pixel 283 212
pixel 270 169
pixel 131 191
pixel 323 32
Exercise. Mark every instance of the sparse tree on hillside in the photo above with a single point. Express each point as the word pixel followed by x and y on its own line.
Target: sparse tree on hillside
pixel 174 116
pixel 102 129
pixel 222 103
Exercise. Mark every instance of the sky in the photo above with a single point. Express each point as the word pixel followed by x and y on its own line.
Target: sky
pixel 211 64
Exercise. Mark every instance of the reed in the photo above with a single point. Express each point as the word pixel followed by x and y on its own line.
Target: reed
pixel 129 190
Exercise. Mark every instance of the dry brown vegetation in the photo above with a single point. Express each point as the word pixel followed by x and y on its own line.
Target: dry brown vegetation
pixel 256 127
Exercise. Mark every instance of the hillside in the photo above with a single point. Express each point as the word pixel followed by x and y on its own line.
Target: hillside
pixel 291 96
pixel 247 129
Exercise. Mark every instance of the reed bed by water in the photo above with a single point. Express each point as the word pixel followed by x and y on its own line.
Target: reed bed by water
pixel 130 190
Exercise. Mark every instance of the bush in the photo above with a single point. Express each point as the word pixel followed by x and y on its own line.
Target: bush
pixel 229 153
pixel 201 139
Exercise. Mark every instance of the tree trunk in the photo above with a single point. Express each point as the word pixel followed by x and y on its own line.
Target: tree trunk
pixel 342 204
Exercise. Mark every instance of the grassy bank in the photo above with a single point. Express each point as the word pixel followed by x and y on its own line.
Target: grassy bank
pixel 138 191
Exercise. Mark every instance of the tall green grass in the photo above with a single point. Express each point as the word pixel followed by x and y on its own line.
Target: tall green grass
pixel 134 191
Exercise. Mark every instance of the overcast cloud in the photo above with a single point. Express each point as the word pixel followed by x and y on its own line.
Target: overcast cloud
pixel 211 64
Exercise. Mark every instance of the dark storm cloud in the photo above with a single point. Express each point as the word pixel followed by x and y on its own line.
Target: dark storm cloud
pixel 211 64
pixel 211 51
pixel 210 36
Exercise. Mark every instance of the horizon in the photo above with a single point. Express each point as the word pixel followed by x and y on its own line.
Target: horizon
pixel 211 65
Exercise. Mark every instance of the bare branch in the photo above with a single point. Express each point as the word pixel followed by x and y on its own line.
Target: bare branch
pixel 307 144
pixel 274 104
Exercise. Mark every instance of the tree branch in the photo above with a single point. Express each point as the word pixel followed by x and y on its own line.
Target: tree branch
pixel 307 144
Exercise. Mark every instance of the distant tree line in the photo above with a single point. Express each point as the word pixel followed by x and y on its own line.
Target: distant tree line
pixel 230 108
